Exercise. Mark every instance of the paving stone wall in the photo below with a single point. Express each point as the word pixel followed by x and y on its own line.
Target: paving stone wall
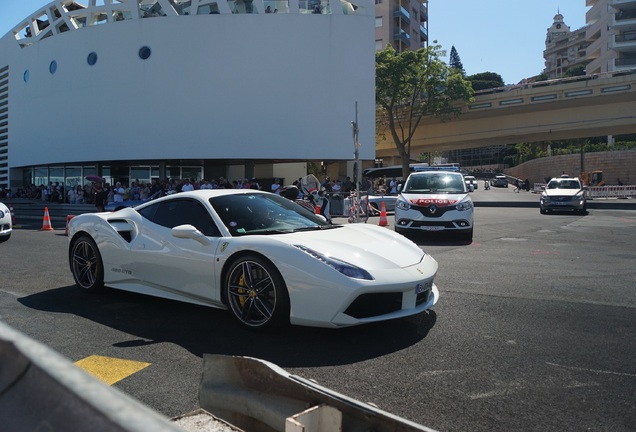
pixel 615 165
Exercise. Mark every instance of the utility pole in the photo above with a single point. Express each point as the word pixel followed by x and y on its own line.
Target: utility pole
pixel 356 163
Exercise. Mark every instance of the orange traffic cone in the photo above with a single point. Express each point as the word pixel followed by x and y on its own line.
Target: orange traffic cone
pixel 383 221
pixel 46 222
pixel 13 221
pixel 68 219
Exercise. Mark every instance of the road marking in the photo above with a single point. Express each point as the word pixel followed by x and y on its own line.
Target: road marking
pixel 595 371
pixel 110 369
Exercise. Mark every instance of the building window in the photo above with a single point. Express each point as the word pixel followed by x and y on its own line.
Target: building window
pixel 53 67
pixel 144 53
pixel 378 21
pixel 378 45
pixel 378 2
pixel 91 59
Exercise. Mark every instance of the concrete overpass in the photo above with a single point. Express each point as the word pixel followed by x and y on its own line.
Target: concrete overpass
pixel 579 107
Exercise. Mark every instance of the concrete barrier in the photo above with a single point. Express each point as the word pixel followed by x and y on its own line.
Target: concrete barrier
pixel 259 396
pixel 41 390
pixel 611 191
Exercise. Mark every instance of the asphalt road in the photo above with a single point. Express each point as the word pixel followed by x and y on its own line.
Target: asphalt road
pixel 535 329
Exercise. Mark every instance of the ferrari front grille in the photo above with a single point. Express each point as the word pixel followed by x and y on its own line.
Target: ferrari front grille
pixel 374 304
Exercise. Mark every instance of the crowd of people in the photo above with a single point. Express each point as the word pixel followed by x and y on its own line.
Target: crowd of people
pixel 102 193
pixel 97 192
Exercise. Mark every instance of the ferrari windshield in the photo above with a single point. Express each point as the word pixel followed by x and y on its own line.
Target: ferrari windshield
pixel 435 182
pixel 257 213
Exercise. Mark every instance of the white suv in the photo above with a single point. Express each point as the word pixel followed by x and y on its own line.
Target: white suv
pixel 435 201
pixel 563 193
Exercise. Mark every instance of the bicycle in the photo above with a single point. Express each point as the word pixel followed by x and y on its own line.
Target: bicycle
pixel 360 208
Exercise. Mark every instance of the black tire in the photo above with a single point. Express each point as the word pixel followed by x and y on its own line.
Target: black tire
pixel 543 211
pixel 5 238
pixel 256 293
pixel 86 264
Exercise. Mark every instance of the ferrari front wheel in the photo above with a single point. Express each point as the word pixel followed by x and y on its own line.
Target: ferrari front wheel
pixel 256 293
pixel 86 264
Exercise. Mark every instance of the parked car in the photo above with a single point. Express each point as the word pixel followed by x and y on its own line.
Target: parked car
pixel 435 201
pixel 263 257
pixel 6 225
pixel 499 181
pixel 563 193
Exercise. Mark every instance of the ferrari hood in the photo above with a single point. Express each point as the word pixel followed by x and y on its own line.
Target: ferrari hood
pixel 366 246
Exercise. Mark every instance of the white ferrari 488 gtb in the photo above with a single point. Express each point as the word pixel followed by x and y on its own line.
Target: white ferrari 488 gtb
pixel 266 259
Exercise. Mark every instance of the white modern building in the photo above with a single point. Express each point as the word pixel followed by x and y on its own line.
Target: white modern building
pixel 141 89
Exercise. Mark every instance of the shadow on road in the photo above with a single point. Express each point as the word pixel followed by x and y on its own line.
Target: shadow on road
pixel 213 331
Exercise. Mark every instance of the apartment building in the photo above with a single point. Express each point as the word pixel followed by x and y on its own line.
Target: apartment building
pixel 402 24
pixel 564 49
pixel 607 43
pixel 611 30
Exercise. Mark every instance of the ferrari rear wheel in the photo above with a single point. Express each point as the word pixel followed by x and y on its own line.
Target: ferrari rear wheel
pixel 256 293
pixel 86 264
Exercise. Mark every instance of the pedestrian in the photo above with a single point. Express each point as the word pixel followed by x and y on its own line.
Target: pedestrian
pixel 99 196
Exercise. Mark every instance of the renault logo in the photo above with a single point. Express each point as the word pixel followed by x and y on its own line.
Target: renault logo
pixel 432 209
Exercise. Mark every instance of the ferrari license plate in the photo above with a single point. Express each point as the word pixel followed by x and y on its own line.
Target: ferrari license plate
pixel 432 228
pixel 423 287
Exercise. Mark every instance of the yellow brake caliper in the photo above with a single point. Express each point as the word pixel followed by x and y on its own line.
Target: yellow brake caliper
pixel 242 298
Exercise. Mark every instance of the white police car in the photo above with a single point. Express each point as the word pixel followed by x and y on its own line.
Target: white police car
pixel 435 201
pixel 5 223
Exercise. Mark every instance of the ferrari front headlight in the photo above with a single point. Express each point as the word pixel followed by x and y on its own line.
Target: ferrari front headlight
pixel 343 267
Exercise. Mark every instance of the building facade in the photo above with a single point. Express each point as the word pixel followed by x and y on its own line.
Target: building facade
pixel 131 89
pixel 564 49
pixel 402 24
pixel 607 43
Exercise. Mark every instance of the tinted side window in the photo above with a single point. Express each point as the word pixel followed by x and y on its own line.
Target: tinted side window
pixel 177 212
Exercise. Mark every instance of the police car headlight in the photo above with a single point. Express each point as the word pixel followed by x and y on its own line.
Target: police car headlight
pixel 402 204
pixel 464 205
pixel 544 197
pixel 579 196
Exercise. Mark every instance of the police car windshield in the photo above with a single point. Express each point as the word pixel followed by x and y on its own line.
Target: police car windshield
pixel 437 182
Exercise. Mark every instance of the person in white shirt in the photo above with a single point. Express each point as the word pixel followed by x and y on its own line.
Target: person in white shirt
pixel 276 187
pixel 187 186
pixel 118 193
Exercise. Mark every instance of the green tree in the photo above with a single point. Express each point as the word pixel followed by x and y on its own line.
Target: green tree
pixel 455 62
pixel 485 80
pixel 411 85
pixel 575 71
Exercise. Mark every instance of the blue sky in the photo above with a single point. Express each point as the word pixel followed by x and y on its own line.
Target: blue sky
pixel 502 36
